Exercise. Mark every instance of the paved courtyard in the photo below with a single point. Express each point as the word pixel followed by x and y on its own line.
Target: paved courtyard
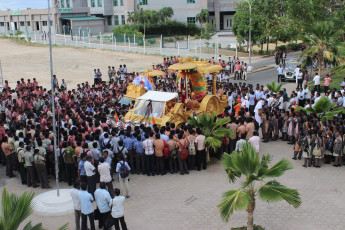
pixel 175 202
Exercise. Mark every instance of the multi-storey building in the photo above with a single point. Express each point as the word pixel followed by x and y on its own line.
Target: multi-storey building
pixel 102 15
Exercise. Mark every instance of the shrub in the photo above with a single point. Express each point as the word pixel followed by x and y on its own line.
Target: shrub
pixel 294 46
pixel 282 47
pixel 179 38
pixel 168 39
pixel 151 41
pixel 171 28
pixel 127 29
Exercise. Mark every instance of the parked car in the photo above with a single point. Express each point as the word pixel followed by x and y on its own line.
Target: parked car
pixel 289 70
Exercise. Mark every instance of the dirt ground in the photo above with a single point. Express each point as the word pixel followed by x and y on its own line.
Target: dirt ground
pixel 75 65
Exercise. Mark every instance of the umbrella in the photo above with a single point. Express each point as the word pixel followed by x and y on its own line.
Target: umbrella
pixel 154 72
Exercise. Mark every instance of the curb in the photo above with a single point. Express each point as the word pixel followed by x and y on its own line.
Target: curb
pixel 261 69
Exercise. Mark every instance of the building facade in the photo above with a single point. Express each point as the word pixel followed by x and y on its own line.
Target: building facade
pixel 103 15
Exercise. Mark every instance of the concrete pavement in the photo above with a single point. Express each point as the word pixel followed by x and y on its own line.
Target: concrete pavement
pixel 188 202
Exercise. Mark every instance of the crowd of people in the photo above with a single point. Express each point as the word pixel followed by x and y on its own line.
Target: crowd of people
pixel 94 142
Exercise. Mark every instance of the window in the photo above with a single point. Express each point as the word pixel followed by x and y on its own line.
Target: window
pixel 121 2
pixel 190 1
pixel 191 20
pixel 21 23
pixel 51 23
pixel 68 4
pixel 99 3
pixel 109 20
pixel 62 3
pixel 116 20
pixel 115 3
pixel 93 3
pixel 143 2
pixel 44 23
pixel 2 24
pixel 123 19
pixel 28 23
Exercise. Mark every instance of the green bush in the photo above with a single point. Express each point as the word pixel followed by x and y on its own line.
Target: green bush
pixel 170 28
pixel 151 41
pixel 129 29
pixel 168 39
pixel 282 47
pixel 179 38
pixel 294 46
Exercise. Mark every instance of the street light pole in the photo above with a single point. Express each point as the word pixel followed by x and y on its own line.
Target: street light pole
pixel 53 104
pixel 250 36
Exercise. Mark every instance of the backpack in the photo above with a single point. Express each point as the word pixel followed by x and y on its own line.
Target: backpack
pixel 123 170
pixel 226 140
pixel 184 152
pixel 174 151
pixel 165 150
pixel 329 144
pixel 191 148
pixel 120 151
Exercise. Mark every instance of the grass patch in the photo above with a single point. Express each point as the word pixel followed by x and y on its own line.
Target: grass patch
pixel 336 81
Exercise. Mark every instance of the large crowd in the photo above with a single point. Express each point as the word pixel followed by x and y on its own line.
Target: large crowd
pixel 95 142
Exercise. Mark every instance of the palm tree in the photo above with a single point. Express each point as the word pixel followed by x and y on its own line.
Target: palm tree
pixel 324 44
pixel 166 13
pixel 323 108
pixel 202 17
pixel 212 129
pixel 256 171
pixel 15 209
pixel 274 87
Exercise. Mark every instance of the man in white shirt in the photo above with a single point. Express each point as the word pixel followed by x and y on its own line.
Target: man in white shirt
pixel 240 142
pixel 76 204
pixel 104 172
pixel 90 175
pixel 230 100
pixel 281 102
pixel 149 155
pixel 317 82
pixel 117 211
pixel 280 73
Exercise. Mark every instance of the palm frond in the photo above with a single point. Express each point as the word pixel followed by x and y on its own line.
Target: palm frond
pixel 213 142
pixel 278 169
pixel 221 132
pixel 29 226
pixel 274 192
pixel 64 227
pixel 222 121
pixel 233 200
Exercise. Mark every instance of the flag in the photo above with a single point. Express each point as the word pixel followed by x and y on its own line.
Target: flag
pixel 153 121
pixel 116 118
pixel 148 77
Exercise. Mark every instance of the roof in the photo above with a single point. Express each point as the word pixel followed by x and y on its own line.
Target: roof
pixel 85 18
pixel 158 96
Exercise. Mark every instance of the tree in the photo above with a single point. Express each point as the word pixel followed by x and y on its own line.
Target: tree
pixel 202 17
pixel 15 209
pixel 324 44
pixel 274 87
pixel 256 172
pixel 212 129
pixel 166 13
pixel 323 108
pixel 241 24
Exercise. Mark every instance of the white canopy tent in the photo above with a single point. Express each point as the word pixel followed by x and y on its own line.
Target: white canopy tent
pixel 158 96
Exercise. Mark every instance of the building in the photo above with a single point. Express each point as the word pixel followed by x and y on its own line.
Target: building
pixel 102 15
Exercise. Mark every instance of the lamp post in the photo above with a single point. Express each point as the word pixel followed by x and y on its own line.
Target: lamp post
pixel 53 103
pixel 250 68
